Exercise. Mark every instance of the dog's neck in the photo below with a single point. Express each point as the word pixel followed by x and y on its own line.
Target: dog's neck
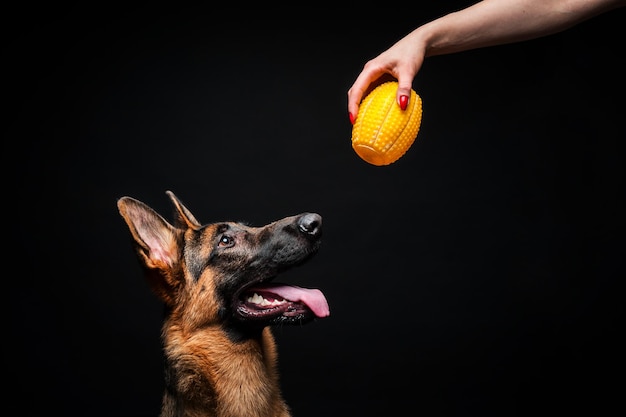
pixel 210 375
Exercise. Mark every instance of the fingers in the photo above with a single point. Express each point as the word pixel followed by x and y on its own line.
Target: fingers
pixel 360 88
pixel 373 75
pixel 367 81
pixel 364 84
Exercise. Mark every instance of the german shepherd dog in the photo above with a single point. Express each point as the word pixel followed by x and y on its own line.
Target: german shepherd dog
pixel 215 282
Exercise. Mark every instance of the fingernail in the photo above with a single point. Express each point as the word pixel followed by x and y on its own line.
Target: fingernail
pixel 404 101
pixel 351 118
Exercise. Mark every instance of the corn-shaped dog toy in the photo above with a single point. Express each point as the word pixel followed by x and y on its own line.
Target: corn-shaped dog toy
pixel 383 132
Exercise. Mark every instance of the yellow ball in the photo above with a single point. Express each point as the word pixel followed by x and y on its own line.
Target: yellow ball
pixel 383 132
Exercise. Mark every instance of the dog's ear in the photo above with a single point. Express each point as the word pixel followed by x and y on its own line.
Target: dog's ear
pixel 156 244
pixel 183 217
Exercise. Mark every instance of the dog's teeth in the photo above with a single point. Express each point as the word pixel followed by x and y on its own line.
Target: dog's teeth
pixel 257 299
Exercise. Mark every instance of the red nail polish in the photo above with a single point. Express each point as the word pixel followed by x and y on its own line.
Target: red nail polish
pixel 351 118
pixel 404 101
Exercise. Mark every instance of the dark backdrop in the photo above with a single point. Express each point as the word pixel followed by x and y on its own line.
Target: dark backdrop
pixel 479 275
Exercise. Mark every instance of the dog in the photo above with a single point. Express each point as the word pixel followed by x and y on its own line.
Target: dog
pixel 215 281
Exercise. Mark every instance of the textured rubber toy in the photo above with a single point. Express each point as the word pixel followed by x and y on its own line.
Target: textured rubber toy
pixel 383 132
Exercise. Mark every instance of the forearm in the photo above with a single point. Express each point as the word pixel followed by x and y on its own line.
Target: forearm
pixel 486 23
pixel 495 22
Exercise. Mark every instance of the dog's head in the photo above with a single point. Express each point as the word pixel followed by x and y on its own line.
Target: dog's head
pixel 222 272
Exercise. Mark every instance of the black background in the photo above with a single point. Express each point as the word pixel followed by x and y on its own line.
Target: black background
pixel 478 275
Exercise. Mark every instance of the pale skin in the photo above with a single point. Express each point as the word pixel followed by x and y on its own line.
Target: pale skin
pixel 486 23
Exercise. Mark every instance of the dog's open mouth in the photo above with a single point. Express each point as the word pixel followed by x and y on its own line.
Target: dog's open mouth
pixel 279 302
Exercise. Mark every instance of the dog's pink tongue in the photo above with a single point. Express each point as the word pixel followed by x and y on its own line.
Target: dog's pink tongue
pixel 313 298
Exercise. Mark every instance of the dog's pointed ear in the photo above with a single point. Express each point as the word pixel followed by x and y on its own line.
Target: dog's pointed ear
pixel 156 245
pixel 183 217
pixel 155 237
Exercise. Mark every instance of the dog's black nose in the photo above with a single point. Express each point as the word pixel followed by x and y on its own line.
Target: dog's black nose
pixel 310 224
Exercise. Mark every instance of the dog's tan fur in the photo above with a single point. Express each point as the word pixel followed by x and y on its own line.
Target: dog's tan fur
pixel 243 381
pixel 209 372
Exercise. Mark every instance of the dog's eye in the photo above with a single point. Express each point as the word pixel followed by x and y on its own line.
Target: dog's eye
pixel 226 241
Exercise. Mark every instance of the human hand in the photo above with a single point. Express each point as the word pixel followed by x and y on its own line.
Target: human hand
pixel 401 62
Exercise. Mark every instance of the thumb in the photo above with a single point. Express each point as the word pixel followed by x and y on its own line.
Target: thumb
pixel 403 95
